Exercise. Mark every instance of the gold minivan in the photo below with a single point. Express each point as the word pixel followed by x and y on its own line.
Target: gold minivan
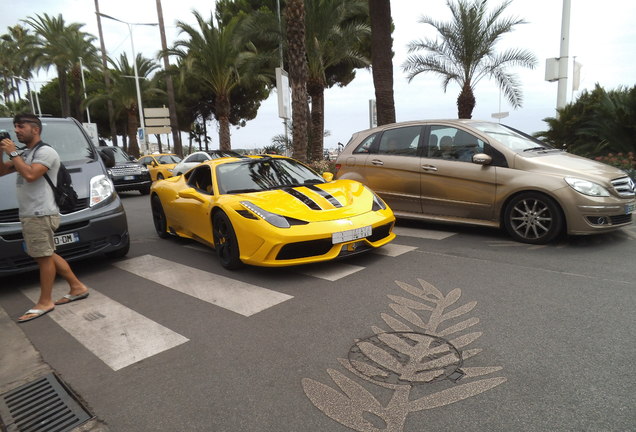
pixel 484 173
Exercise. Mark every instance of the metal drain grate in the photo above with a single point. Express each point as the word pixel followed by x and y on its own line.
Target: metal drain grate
pixel 44 405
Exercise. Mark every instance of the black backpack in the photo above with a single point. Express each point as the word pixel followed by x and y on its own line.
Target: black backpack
pixel 65 195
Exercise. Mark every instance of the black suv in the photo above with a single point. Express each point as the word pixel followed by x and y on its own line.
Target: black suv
pixel 97 224
pixel 127 174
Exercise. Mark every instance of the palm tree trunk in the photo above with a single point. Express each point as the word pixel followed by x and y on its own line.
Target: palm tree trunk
pixel 317 93
pixel 77 94
pixel 223 115
pixel 64 99
pixel 466 102
pixel 382 60
pixel 295 16
pixel 133 147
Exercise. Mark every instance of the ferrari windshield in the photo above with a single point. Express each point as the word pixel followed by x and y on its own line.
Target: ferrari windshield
pixel 511 138
pixel 168 159
pixel 253 175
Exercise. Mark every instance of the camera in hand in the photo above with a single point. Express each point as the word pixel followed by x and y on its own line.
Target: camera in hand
pixel 4 134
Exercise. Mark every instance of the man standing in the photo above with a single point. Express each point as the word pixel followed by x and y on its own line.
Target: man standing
pixel 38 211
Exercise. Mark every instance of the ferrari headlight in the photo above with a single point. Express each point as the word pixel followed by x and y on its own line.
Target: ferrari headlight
pixel 101 189
pixel 274 219
pixel 378 204
pixel 587 187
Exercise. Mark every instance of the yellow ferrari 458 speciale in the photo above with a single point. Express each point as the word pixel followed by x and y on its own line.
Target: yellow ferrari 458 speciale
pixel 270 211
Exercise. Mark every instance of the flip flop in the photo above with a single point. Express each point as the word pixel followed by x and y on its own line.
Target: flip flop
pixel 71 298
pixel 37 312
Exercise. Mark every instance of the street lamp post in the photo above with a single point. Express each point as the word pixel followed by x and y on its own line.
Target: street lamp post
pixel 142 125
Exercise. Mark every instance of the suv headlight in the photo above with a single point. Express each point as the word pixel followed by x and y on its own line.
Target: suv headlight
pixel 587 187
pixel 101 189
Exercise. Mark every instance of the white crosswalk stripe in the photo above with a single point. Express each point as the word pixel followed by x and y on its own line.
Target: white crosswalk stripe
pixel 117 335
pixel 422 233
pixel 231 294
pixel 331 271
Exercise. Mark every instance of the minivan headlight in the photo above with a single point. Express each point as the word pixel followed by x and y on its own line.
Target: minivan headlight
pixel 587 187
pixel 101 189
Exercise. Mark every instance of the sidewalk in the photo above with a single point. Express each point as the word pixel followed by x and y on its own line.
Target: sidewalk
pixel 21 363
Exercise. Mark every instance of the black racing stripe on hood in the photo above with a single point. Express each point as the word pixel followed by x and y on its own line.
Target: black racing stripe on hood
pixel 326 195
pixel 302 197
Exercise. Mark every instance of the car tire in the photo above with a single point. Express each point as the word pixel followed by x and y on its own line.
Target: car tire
pixel 225 242
pixel 159 217
pixel 533 218
pixel 121 252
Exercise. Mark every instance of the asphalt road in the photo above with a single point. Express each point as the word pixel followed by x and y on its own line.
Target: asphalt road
pixel 448 329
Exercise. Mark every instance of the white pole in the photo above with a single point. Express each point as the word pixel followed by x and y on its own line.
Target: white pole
pixel 562 93
pixel 88 113
pixel 139 105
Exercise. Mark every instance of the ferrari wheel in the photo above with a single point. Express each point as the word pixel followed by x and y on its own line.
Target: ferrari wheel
pixel 225 242
pixel 159 217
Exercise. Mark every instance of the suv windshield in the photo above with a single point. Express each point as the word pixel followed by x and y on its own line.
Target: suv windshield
pixel 120 155
pixel 69 142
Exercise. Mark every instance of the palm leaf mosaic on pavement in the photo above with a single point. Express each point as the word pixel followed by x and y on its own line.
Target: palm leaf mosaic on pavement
pixel 420 362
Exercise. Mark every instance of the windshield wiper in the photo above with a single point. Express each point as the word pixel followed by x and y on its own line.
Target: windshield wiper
pixel 234 191
pixel 536 149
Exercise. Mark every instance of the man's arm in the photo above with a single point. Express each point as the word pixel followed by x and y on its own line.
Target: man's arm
pixel 29 172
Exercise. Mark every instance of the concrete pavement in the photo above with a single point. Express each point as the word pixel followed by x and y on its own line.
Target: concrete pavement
pixel 21 363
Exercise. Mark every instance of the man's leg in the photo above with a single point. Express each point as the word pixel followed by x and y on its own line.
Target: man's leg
pixel 47 277
pixel 64 269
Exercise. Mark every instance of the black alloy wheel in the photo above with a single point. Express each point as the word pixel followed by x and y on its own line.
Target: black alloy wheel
pixel 159 217
pixel 225 242
pixel 533 218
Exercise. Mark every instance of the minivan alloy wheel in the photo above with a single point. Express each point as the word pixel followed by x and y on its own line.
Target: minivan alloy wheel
pixel 533 218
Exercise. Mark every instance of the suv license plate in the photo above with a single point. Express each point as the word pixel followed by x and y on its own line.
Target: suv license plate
pixel 354 234
pixel 129 177
pixel 64 239
pixel 629 208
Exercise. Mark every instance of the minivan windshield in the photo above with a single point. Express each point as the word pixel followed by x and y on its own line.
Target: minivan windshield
pixel 512 139
pixel 69 142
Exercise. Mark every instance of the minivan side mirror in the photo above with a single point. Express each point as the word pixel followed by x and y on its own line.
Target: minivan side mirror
pixel 108 156
pixel 482 159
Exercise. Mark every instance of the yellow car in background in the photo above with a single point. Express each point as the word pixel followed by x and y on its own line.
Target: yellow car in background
pixel 270 211
pixel 160 166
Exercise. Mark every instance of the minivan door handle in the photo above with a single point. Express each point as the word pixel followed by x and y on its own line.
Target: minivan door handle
pixel 429 167
pixel 377 162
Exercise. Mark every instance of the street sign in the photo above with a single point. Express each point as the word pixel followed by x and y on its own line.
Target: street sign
pixel 157 120
pixel 158 129
pixel 156 112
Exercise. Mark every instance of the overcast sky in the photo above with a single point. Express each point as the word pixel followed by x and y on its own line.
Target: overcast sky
pixel 602 38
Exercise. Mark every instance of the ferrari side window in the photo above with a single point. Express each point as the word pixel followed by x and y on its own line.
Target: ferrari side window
pixel 201 179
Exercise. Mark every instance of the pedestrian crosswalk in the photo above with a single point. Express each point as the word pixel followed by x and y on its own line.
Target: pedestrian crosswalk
pixel 114 333
pixel 120 336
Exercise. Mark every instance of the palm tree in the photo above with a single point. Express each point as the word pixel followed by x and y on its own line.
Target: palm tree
pixel 332 39
pixel 51 49
pixel 382 59
pixel 81 52
pixel 15 61
pixel 124 93
pixel 296 56
pixel 466 52
pixel 214 55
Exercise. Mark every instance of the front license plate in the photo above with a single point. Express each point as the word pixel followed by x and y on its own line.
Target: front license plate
pixel 629 208
pixel 64 239
pixel 354 234
pixel 129 177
